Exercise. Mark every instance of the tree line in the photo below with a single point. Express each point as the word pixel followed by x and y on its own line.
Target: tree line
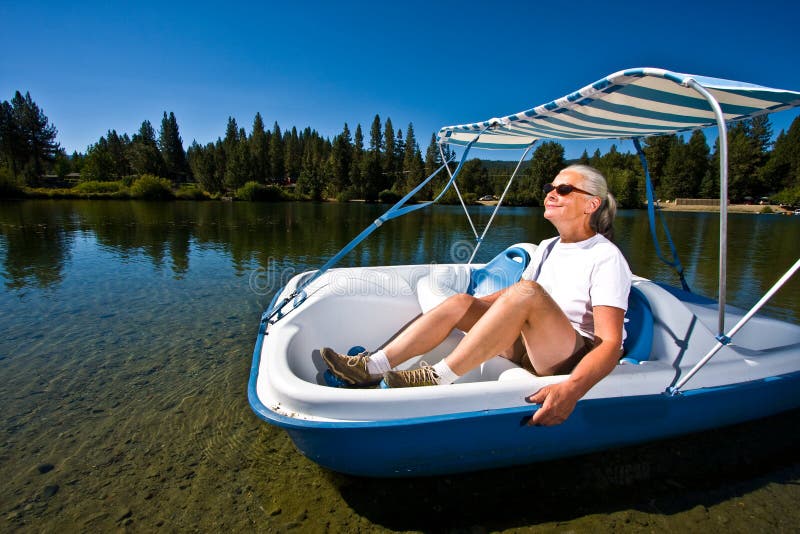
pixel 390 163
pixel 317 167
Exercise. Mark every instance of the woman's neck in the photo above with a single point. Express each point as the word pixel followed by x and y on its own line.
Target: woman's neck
pixel 575 234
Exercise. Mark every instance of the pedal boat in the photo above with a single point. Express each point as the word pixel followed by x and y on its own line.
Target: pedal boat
pixel 691 363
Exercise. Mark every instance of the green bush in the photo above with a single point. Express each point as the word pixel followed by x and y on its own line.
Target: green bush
pixel 93 187
pixel 191 192
pixel 470 198
pixel 788 197
pixel 346 196
pixel 9 187
pixel 522 198
pixel 149 187
pixel 254 191
pixel 388 196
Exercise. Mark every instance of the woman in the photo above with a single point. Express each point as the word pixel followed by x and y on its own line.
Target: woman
pixel 570 319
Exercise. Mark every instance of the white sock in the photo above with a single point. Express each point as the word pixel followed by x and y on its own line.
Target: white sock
pixel 445 374
pixel 378 363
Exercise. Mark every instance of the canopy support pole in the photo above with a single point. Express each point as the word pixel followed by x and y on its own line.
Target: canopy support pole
pixel 395 211
pixel 723 199
pixel 499 202
pixel 651 212
pixel 460 198
pixel 727 338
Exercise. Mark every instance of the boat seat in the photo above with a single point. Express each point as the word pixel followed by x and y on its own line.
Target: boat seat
pixel 639 329
pixel 503 270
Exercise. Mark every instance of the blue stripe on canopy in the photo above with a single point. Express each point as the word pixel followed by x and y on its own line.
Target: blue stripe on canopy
pixel 631 103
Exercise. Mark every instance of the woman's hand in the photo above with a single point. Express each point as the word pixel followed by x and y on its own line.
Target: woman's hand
pixel 557 402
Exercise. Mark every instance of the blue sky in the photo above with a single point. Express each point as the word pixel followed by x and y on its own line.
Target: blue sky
pixel 95 66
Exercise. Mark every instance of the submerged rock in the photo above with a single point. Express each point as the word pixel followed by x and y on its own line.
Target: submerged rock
pixel 45 468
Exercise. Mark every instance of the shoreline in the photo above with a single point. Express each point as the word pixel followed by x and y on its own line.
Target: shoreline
pixel 57 194
pixel 732 208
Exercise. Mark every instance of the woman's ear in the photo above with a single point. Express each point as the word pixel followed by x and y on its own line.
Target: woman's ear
pixel 593 205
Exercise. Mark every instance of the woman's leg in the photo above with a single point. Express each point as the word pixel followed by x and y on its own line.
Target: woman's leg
pixel 421 335
pixel 460 311
pixel 526 308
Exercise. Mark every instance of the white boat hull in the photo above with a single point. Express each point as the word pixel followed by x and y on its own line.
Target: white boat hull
pixel 475 423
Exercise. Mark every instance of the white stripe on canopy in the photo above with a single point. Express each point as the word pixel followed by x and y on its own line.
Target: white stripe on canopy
pixel 631 103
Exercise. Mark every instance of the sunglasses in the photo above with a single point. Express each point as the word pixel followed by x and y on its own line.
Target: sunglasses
pixel 564 189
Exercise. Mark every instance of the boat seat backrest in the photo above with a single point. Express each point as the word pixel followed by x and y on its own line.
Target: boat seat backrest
pixel 502 271
pixel 638 327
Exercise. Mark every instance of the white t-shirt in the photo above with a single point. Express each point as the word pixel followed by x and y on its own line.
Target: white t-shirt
pixel 579 276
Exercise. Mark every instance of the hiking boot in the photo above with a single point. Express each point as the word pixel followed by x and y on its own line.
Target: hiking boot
pixel 422 376
pixel 352 370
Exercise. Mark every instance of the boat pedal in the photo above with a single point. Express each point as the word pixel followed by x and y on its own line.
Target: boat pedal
pixel 332 381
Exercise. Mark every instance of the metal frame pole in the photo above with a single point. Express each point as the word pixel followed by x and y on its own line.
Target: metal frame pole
pixel 725 339
pixel 723 198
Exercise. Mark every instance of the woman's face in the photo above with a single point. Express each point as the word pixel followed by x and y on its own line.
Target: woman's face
pixel 574 206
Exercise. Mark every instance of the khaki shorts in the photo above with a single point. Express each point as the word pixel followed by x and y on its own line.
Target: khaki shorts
pixel 582 347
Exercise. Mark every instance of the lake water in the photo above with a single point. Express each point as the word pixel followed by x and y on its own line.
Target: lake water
pixel 127 337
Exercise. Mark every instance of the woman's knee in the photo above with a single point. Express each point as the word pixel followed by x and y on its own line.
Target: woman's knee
pixel 524 291
pixel 460 301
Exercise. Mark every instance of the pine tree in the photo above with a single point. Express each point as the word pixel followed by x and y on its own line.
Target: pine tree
pixel 375 137
pixel 12 144
pixel 117 149
pixel 98 165
pixel 782 170
pixel 433 160
pixel 237 171
pixel 231 140
pixel 372 163
pixel 676 181
pixel 761 132
pixel 389 163
pixel 171 146
pixel 357 163
pixel 143 153
pixel 657 149
pixel 399 149
pixel 203 165
pixel 547 162
pixel 697 158
pixel 277 169
pixel 341 160
pixel 220 165
pixel 294 154
pixel 744 157
pixel 259 150
pixel 27 139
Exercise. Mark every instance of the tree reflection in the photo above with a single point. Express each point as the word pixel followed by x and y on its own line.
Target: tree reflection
pixel 37 240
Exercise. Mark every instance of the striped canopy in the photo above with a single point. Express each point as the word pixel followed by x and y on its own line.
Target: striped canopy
pixel 627 104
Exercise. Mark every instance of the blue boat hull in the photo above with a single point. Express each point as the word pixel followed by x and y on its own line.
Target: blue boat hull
pixel 498 438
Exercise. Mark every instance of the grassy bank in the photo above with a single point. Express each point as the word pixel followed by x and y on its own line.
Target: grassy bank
pixel 732 208
pixel 147 187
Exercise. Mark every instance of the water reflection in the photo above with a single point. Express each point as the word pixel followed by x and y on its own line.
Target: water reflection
pixel 37 240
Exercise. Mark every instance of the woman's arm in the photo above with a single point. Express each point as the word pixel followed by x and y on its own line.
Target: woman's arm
pixel 558 400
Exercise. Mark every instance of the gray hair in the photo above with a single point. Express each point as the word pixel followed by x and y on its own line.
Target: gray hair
pixel 602 220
